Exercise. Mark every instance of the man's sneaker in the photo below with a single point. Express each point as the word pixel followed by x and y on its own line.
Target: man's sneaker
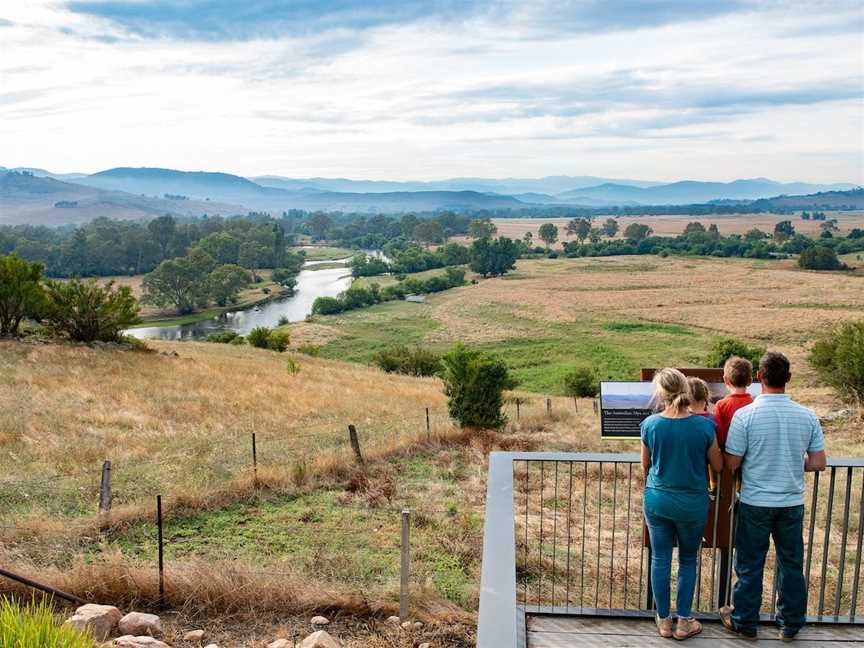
pixel 786 638
pixel 725 613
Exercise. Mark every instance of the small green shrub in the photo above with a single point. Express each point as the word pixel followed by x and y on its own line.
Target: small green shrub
pixel 292 367
pixel 86 311
pixel 412 362
pixel 327 306
pixel 225 337
pixel 21 293
pixel 726 347
pixel 259 337
pixel 474 383
pixel 283 321
pixel 838 357
pixel 238 341
pixel 582 382
pixel 279 341
pixel 312 350
pixel 34 626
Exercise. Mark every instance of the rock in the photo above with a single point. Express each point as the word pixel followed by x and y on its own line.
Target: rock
pixel 281 643
pixel 425 645
pixel 139 624
pixel 195 635
pixel 407 625
pixel 394 620
pixel 99 619
pixel 418 625
pixel 128 641
pixel 320 639
pixel 320 621
pixel 211 646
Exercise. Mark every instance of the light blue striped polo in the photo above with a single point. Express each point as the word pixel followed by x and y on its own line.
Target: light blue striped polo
pixel 772 434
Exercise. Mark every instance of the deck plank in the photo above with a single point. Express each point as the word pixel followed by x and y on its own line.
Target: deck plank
pixel 576 632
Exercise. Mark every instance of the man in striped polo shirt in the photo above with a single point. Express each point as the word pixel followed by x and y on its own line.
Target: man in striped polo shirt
pixel 774 441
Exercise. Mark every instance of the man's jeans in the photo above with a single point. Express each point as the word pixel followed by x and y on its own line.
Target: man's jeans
pixel 755 525
pixel 663 531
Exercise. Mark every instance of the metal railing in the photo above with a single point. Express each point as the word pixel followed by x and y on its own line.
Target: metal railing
pixel 565 535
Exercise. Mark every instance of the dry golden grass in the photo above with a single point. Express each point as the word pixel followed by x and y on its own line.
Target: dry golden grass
pixel 673 225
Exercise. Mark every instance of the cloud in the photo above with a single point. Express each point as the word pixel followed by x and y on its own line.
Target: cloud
pixel 220 20
pixel 6 23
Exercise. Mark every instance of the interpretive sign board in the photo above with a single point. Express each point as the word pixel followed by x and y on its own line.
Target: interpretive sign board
pixel 625 404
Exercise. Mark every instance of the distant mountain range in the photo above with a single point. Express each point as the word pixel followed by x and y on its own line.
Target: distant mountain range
pixel 127 192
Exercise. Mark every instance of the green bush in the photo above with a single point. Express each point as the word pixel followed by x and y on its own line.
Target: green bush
pixel 259 337
pixel 820 257
pixel 474 383
pixel 21 293
pixel 34 626
pixel 581 383
pixel 238 341
pixel 86 311
pixel 327 306
pixel 726 347
pixel 838 357
pixel 411 362
pixel 225 337
pixel 279 341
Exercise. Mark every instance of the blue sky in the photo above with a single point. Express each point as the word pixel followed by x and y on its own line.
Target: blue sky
pixel 404 89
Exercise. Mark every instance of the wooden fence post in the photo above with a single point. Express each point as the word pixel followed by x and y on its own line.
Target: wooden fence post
pixel 405 567
pixel 355 444
pixel 161 551
pixel 548 407
pixel 576 403
pixel 595 405
pixel 428 426
pixel 517 409
pixel 254 461
pixel 105 488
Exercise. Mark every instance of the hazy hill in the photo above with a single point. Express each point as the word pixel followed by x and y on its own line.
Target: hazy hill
pixel 853 199
pixel 26 198
pixel 692 192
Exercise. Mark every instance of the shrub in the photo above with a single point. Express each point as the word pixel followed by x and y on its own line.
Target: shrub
pixel 225 337
pixel 34 626
pixel 21 293
pixel 474 383
pixel 312 350
pixel 292 367
pixel 820 257
pixel 327 306
pixel 838 357
pixel 726 347
pixel 581 383
pixel 259 337
pixel 86 311
pixel 279 341
pixel 411 362
pixel 283 321
pixel 238 341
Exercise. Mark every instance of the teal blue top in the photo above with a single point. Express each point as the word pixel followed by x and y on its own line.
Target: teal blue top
pixel 772 434
pixel 677 484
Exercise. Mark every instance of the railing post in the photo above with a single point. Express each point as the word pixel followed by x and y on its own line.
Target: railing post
pixel 161 551
pixel 355 444
pixel 254 461
pixel 428 425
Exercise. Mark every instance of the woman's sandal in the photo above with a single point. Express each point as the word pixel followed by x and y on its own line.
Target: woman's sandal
pixel 664 626
pixel 686 628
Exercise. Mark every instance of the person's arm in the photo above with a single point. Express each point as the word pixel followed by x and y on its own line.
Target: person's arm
pixel 731 461
pixel 715 457
pixel 646 459
pixel 815 461
pixel 736 443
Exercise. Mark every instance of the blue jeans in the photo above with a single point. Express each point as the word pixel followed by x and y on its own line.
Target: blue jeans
pixel 755 525
pixel 663 529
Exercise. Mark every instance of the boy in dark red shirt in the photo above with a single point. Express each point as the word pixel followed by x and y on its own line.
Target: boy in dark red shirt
pixel 737 375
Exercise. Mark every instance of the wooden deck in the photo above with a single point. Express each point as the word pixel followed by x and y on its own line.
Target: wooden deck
pixel 578 632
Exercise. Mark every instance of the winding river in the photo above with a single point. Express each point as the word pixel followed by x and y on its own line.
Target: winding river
pixel 311 284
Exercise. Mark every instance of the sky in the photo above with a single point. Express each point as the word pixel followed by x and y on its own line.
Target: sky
pixel 409 89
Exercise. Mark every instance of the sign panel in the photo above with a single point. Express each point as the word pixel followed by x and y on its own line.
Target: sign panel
pixel 624 405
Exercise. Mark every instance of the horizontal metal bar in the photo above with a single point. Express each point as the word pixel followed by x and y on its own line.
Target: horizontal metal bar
pixel 633 457
pixel 649 614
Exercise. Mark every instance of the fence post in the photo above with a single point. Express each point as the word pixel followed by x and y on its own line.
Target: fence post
pixel 428 426
pixel 105 488
pixel 517 409
pixel 576 403
pixel 355 444
pixel 405 567
pixel 549 407
pixel 254 461
pixel 161 552
pixel 594 402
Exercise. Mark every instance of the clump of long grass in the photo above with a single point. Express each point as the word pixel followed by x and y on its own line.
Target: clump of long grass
pixel 33 625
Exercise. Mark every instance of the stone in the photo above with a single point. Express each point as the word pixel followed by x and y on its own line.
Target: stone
pixel 195 635
pixel 320 639
pixel 394 620
pixel 211 646
pixel 99 619
pixel 320 621
pixel 129 641
pixel 425 645
pixel 281 643
pixel 407 625
pixel 139 624
pixel 418 625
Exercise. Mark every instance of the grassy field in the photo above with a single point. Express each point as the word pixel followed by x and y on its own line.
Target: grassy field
pixel 616 314
pixel 255 553
pixel 673 225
